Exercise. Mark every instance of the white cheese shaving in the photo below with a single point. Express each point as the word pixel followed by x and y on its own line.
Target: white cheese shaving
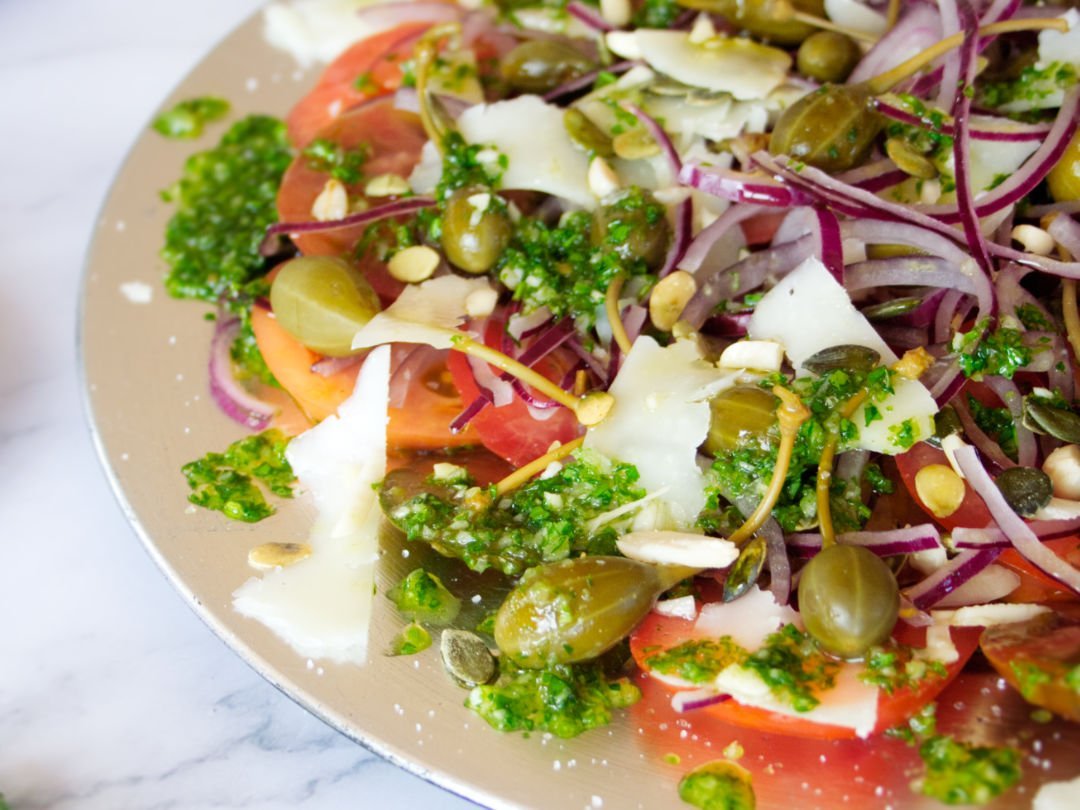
pixel 315 31
pixel 682 607
pixel 741 67
pixel 321 606
pixel 1057 46
pixel 749 620
pixel 988 615
pixel 1057 795
pixel 856 16
pixel 807 311
pixel 660 418
pixel 424 313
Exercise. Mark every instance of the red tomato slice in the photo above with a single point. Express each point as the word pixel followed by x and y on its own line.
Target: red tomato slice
pixel 511 431
pixel 394 139
pixel 663 632
pixel 371 67
pixel 972 512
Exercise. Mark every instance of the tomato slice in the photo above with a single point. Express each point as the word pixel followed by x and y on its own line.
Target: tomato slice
pixel 394 139
pixel 511 431
pixel 663 632
pixel 972 512
pixel 369 68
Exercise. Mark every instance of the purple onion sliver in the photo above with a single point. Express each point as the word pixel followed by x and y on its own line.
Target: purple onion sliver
pixel 691 699
pixel 393 209
pixel 992 536
pixel 683 232
pixel 236 402
pixel 586 81
pixel 950 576
pixel 883 543
pixel 589 16
pixel 778 561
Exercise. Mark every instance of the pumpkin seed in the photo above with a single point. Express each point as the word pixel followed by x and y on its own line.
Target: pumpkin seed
pixel 891 309
pixel 1026 489
pixel 746 570
pixel 1060 423
pixel 466 658
pixel 586 134
pixel 846 356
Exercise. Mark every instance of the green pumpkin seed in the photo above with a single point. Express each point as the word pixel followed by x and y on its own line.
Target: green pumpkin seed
pixel 847 356
pixel 1060 423
pixel 891 309
pixel 586 134
pixel 746 570
pixel 467 658
pixel 1026 489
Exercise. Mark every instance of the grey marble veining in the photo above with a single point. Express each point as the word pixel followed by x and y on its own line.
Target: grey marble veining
pixel 112 693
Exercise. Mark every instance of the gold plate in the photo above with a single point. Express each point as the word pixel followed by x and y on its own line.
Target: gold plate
pixel 146 384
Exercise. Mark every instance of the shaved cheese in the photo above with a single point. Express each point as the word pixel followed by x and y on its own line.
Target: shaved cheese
pixel 678 548
pixel 682 607
pixel 660 418
pixel 741 67
pixel 988 615
pixel 1057 795
pixel 856 16
pixel 533 137
pixel 1056 46
pixel 939 646
pixel 321 605
pixel 749 620
pixel 849 704
pixel 424 313
pixel 807 311
pixel 318 30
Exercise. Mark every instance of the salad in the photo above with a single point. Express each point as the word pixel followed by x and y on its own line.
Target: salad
pixel 736 341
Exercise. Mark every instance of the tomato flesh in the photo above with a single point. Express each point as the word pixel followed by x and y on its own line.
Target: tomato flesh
pixel 663 632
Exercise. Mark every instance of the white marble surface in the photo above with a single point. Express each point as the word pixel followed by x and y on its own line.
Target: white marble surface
pixel 113 694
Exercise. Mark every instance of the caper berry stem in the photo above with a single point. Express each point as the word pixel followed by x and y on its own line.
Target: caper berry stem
pixel 892 14
pixel 427 49
pixel 590 409
pixel 525 473
pixel 790 414
pixel 884 82
pixel 828 25
pixel 611 307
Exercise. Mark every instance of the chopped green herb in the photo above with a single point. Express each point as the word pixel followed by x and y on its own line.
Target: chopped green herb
pixel 996 353
pixel 962 773
pixel 1032 85
pixel 698 660
pixel 411 640
pixel 545 520
pixel 223 481
pixel 793 667
pixel 1033 318
pixel 344 165
pixel 905 434
pixel 564 700
pixel 465 164
pixel 997 423
pixel 422 597
pixel 895 666
pixel 656 14
pixel 188 118
pixel 719 785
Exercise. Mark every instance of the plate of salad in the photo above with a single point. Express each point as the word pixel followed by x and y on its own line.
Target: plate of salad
pixel 622 404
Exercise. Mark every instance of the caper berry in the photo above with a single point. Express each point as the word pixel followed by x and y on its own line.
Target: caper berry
pixel 633 224
pixel 737 414
pixel 1025 489
pixel 848 599
pixel 540 65
pixel 575 609
pixel 322 301
pixel 833 128
pixel 475 230
pixel 828 56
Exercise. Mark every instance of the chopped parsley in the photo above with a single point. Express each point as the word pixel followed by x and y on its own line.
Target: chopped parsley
pixel 422 597
pixel 697 660
pixel 413 639
pixel 225 200
pixel 344 165
pixel 1034 319
pixel 223 481
pixel 543 521
pixel 564 700
pixel 718 785
pixel 1032 85
pixel 997 423
pixel 656 14
pixel 999 352
pixel 894 666
pixel 188 118
pixel 465 164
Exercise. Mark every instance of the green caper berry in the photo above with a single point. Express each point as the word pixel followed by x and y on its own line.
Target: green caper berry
pixel 476 229
pixel 540 65
pixel 828 56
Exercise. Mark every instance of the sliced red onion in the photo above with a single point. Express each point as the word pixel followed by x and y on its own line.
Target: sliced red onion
pixel 1019 533
pixel 502 392
pixel 961 111
pixel 393 209
pixel 235 400
pixel 953 63
pixel 730 325
pixel 682 233
pixel 993 537
pixel 1002 129
pixel 329 366
pixel 590 16
pixel 667 148
pixel 987 446
pixel 698 250
pixel 634 318
pixel 953 574
pixel 777 560
pixel 885 543
pixel 745 275
pixel 989 585
pixel 875 176
pixel 587 80
pixel 690 699
pixel 587 357
pixel 911 615
pixel 918 27
pixel 830 246
pixel 912 271
pixel 1066 232
pixel 521 326
pixel 740 187
pixel 1067 207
